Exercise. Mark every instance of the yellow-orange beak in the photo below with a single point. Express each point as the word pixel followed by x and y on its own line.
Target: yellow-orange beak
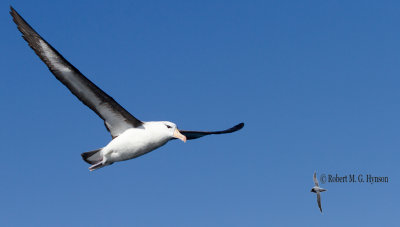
pixel 178 135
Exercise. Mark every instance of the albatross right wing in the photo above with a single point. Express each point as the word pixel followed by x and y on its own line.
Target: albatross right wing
pixel 115 117
pixel 315 179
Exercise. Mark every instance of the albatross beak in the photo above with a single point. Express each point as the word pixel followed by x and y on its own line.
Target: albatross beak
pixel 178 135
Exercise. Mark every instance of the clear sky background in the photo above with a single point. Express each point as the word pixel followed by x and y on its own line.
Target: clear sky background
pixel 316 82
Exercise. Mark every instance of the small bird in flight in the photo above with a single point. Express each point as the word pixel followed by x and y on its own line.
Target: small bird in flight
pixel 318 190
pixel 131 137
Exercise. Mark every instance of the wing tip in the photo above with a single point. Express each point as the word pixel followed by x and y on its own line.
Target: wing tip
pixel 14 12
pixel 238 126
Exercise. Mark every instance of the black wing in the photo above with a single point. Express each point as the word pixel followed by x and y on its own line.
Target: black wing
pixel 115 117
pixel 319 201
pixel 190 135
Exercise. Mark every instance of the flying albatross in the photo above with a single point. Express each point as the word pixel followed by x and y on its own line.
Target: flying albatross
pixel 130 136
pixel 316 189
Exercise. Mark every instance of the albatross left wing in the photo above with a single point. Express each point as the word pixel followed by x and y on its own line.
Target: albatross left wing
pixel 190 135
pixel 115 117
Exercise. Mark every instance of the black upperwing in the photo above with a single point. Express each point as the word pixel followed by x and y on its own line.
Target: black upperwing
pixel 190 135
pixel 115 117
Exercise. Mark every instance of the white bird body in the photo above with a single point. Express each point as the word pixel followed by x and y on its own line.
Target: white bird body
pixel 317 189
pixel 135 142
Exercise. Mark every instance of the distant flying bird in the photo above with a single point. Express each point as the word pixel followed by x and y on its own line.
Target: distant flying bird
pixel 318 190
pixel 130 137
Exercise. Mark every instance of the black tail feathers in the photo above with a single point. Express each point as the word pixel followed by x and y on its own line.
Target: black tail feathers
pixel 92 157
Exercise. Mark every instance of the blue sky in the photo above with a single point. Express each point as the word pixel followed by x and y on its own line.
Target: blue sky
pixel 317 84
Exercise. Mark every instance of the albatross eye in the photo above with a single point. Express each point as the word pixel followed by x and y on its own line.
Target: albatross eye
pixel 168 126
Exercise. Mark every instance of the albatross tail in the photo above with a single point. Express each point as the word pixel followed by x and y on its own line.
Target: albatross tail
pixel 95 159
pixel 92 157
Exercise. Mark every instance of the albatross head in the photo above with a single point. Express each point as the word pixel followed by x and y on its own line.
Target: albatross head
pixel 168 128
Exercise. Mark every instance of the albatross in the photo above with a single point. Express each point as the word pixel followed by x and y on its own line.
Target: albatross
pixel 316 189
pixel 131 137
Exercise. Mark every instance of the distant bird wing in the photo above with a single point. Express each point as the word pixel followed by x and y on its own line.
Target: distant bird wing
pixel 190 135
pixel 116 118
pixel 319 200
pixel 315 179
